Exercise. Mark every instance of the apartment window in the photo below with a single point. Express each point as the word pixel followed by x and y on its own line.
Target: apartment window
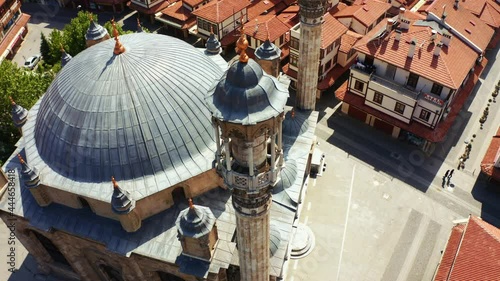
pixel 399 108
pixel 359 86
pixel 436 89
pixel 328 65
pixel 112 274
pixel 294 43
pixel 412 80
pixel 330 48
pixel 378 97
pixel 294 59
pixel 424 115
pixel 51 249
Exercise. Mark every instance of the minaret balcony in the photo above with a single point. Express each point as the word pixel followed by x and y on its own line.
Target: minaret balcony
pixel 241 179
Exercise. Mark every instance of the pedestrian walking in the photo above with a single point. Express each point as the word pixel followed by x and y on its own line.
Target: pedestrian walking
pixel 451 173
pixel 447 173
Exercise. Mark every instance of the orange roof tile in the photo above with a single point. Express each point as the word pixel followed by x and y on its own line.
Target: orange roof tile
pixel 487 164
pixel 177 11
pixel 261 26
pixel 258 7
pixel 289 16
pixel 366 14
pixel 21 22
pixel 450 68
pixel 217 11
pixel 463 21
pixel 192 3
pixel 472 253
pixel 331 30
pixel 487 10
pixel 348 40
pixel 149 11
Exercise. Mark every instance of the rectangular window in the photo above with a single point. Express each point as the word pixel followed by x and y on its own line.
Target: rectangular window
pixel 378 97
pixel 294 59
pixel 328 65
pixel 359 86
pixel 424 115
pixel 390 71
pixel 436 89
pixel 294 43
pixel 399 108
pixel 412 80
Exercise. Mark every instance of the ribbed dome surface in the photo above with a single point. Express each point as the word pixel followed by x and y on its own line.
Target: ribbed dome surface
pixel 246 95
pixel 95 31
pixel 267 51
pixel 195 222
pixel 129 115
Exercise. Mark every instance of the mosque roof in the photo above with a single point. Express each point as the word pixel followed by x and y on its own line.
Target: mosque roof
pixel 131 116
pixel 95 31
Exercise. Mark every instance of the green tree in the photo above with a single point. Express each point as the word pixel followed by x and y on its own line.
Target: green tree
pixel 44 46
pixel 74 32
pixel 25 87
pixel 119 27
pixel 56 40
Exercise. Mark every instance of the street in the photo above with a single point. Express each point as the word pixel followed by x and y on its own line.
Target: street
pixel 379 211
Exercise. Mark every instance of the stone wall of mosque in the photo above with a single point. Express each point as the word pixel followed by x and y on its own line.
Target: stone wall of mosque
pixel 88 260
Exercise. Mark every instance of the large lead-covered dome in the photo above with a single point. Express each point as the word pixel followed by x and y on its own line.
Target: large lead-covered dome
pixel 129 115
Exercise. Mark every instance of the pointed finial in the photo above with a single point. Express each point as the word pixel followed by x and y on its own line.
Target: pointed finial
pixel 115 184
pixel 138 22
pixel 119 49
pixel 91 17
pixel 292 113
pixel 12 101
pixel 20 158
pixel 242 45
pixel 191 205
pixel 61 47
pixel 211 29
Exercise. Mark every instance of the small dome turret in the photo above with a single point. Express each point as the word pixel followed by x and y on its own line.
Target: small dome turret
pixel 121 201
pixel 29 175
pixel 65 57
pixel 213 45
pixel 95 33
pixel 19 114
pixel 268 51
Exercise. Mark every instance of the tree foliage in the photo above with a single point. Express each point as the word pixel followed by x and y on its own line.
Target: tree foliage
pixel 25 87
pixel 44 46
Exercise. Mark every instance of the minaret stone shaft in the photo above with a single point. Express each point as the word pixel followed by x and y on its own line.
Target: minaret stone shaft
pixel 311 16
pixel 249 159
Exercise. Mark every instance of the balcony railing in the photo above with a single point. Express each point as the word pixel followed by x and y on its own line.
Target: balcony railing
pixel 394 86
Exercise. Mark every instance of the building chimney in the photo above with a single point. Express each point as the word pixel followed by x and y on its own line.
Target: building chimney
pixel 437 49
pixel 443 15
pixel 397 35
pixel 433 35
pixel 456 4
pixel 445 39
pixel 411 50
pixel 404 24
pixel 401 13
pixel 390 24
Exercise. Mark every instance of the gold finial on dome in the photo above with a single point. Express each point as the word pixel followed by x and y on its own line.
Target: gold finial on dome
pixel 191 205
pixel 119 49
pixel 20 158
pixel 91 17
pixel 211 29
pixel 242 44
pixel 115 184
pixel 12 101
pixel 293 113
pixel 61 47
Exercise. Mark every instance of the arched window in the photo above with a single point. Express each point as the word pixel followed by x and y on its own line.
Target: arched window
pixel 111 273
pixel 83 202
pixel 178 195
pixel 164 276
pixel 51 249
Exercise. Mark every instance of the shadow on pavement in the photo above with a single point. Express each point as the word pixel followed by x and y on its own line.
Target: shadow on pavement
pixel 488 193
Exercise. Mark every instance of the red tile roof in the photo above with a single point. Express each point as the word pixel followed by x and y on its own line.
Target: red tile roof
pixel 348 40
pixel 289 16
pixel 450 68
pixel 258 7
pixel 464 22
pixel 487 165
pixel 366 14
pixel 262 26
pixel 217 11
pixel 433 135
pixel 149 11
pixel 333 75
pixel 487 10
pixel 331 30
pixel 177 11
pixel 472 253
pixel 21 22
pixel 193 3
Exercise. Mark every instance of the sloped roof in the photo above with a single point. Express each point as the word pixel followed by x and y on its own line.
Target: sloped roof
pixel 463 21
pixel 449 68
pixel 217 11
pixel 266 24
pixel 348 40
pixel 289 16
pixel 366 14
pixel 192 3
pixel 258 7
pixel 331 30
pixel 487 10
pixel 177 11
pixel 487 165
pixel 472 253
